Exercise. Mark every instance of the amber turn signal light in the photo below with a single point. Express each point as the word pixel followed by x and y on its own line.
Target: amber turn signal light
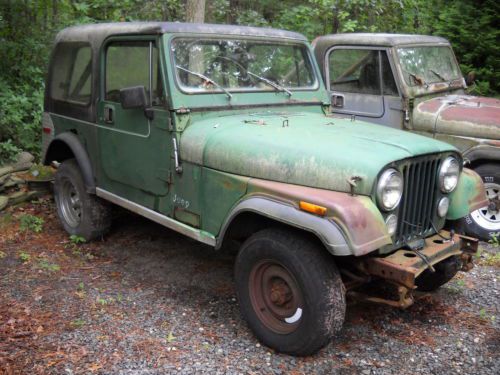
pixel 312 208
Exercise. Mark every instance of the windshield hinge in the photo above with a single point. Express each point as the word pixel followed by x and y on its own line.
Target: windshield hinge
pixel 182 111
pixel 181 119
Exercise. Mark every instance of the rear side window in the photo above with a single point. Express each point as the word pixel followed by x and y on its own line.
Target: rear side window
pixel 71 75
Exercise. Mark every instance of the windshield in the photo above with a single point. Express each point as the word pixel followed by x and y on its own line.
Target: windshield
pixel 422 65
pixel 208 65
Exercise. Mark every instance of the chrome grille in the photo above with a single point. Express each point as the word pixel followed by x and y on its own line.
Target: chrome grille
pixel 419 198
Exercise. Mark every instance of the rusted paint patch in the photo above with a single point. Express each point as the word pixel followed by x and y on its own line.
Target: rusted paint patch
pixel 357 216
pixel 460 115
pixel 482 115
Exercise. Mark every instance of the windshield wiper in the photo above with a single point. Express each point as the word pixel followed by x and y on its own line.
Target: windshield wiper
pixel 419 80
pixel 438 75
pixel 263 79
pixel 209 80
pixel 271 83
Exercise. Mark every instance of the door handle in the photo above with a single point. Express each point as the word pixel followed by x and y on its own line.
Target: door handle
pixel 108 114
pixel 337 101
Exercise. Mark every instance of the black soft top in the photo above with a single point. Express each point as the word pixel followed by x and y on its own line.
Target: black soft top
pixel 95 34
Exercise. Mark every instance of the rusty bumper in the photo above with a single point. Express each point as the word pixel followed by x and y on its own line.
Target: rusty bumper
pixel 404 266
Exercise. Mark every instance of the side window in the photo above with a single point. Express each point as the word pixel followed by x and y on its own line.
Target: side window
pixel 354 71
pixel 71 75
pixel 388 82
pixel 127 65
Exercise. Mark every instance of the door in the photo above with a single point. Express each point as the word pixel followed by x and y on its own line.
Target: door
pixel 361 83
pixel 135 148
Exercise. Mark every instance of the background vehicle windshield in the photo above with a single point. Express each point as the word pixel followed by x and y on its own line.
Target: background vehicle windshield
pixel 431 64
pixel 241 65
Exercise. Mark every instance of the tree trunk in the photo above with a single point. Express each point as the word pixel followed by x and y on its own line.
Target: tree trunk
pixel 195 11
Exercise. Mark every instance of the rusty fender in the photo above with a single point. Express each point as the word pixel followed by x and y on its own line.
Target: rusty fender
pixel 403 266
pixel 352 225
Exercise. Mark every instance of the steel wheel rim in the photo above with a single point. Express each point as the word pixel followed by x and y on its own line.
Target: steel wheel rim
pixel 275 296
pixel 70 203
pixel 488 217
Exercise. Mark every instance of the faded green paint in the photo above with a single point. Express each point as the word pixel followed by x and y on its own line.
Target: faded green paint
pixel 469 195
pixel 220 193
pixel 312 150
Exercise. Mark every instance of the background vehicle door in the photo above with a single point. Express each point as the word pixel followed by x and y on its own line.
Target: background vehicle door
pixel 361 83
pixel 135 150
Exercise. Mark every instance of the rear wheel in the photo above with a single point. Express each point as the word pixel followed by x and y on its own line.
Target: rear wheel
pixel 485 222
pixel 290 291
pixel 81 213
pixel 429 281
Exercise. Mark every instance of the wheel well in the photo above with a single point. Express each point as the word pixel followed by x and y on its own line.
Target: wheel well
pixel 59 151
pixel 476 163
pixel 248 223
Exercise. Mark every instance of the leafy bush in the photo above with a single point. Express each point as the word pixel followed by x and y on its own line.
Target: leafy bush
pixel 8 152
pixel 31 222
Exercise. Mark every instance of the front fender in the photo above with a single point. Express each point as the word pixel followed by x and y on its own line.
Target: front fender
pixel 352 225
pixel 468 196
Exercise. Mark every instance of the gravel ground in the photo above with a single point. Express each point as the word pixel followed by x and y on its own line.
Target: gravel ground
pixel 146 300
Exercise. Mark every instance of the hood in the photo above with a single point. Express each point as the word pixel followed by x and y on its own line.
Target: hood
pixel 308 149
pixel 460 115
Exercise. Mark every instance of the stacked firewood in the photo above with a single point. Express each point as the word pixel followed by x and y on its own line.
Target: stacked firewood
pixel 16 181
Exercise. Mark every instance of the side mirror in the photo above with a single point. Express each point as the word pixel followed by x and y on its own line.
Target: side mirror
pixel 471 77
pixel 133 97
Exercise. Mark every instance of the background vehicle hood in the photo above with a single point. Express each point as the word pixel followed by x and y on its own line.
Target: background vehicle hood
pixel 461 115
pixel 313 150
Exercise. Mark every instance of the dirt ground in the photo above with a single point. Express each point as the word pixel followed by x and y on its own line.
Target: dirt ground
pixel 146 300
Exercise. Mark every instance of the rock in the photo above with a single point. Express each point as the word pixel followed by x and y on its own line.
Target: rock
pixel 4 200
pixel 24 162
pixel 7 169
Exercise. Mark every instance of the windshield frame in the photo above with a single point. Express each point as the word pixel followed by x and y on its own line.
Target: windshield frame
pixel 428 86
pixel 175 72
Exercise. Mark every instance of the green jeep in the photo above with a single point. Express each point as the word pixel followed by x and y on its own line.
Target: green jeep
pixel 224 134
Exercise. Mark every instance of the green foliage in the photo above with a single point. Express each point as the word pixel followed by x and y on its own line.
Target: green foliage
pixel 31 223
pixel 495 240
pixel 24 256
pixel 8 152
pixel 77 323
pixel 76 240
pixel 44 264
pixel 28 27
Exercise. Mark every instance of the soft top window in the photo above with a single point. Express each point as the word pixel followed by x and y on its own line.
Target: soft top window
pixel 71 74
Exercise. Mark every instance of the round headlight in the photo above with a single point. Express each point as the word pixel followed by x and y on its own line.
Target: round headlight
pixel 392 223
pixel 448 174
pixel 443 205
pixel 389 189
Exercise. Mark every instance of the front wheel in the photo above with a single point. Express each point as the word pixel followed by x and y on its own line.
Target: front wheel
pixel 81 213
pixel 485 222
pixel 290 291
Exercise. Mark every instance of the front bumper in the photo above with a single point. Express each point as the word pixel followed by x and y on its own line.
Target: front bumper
pixel 403 266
